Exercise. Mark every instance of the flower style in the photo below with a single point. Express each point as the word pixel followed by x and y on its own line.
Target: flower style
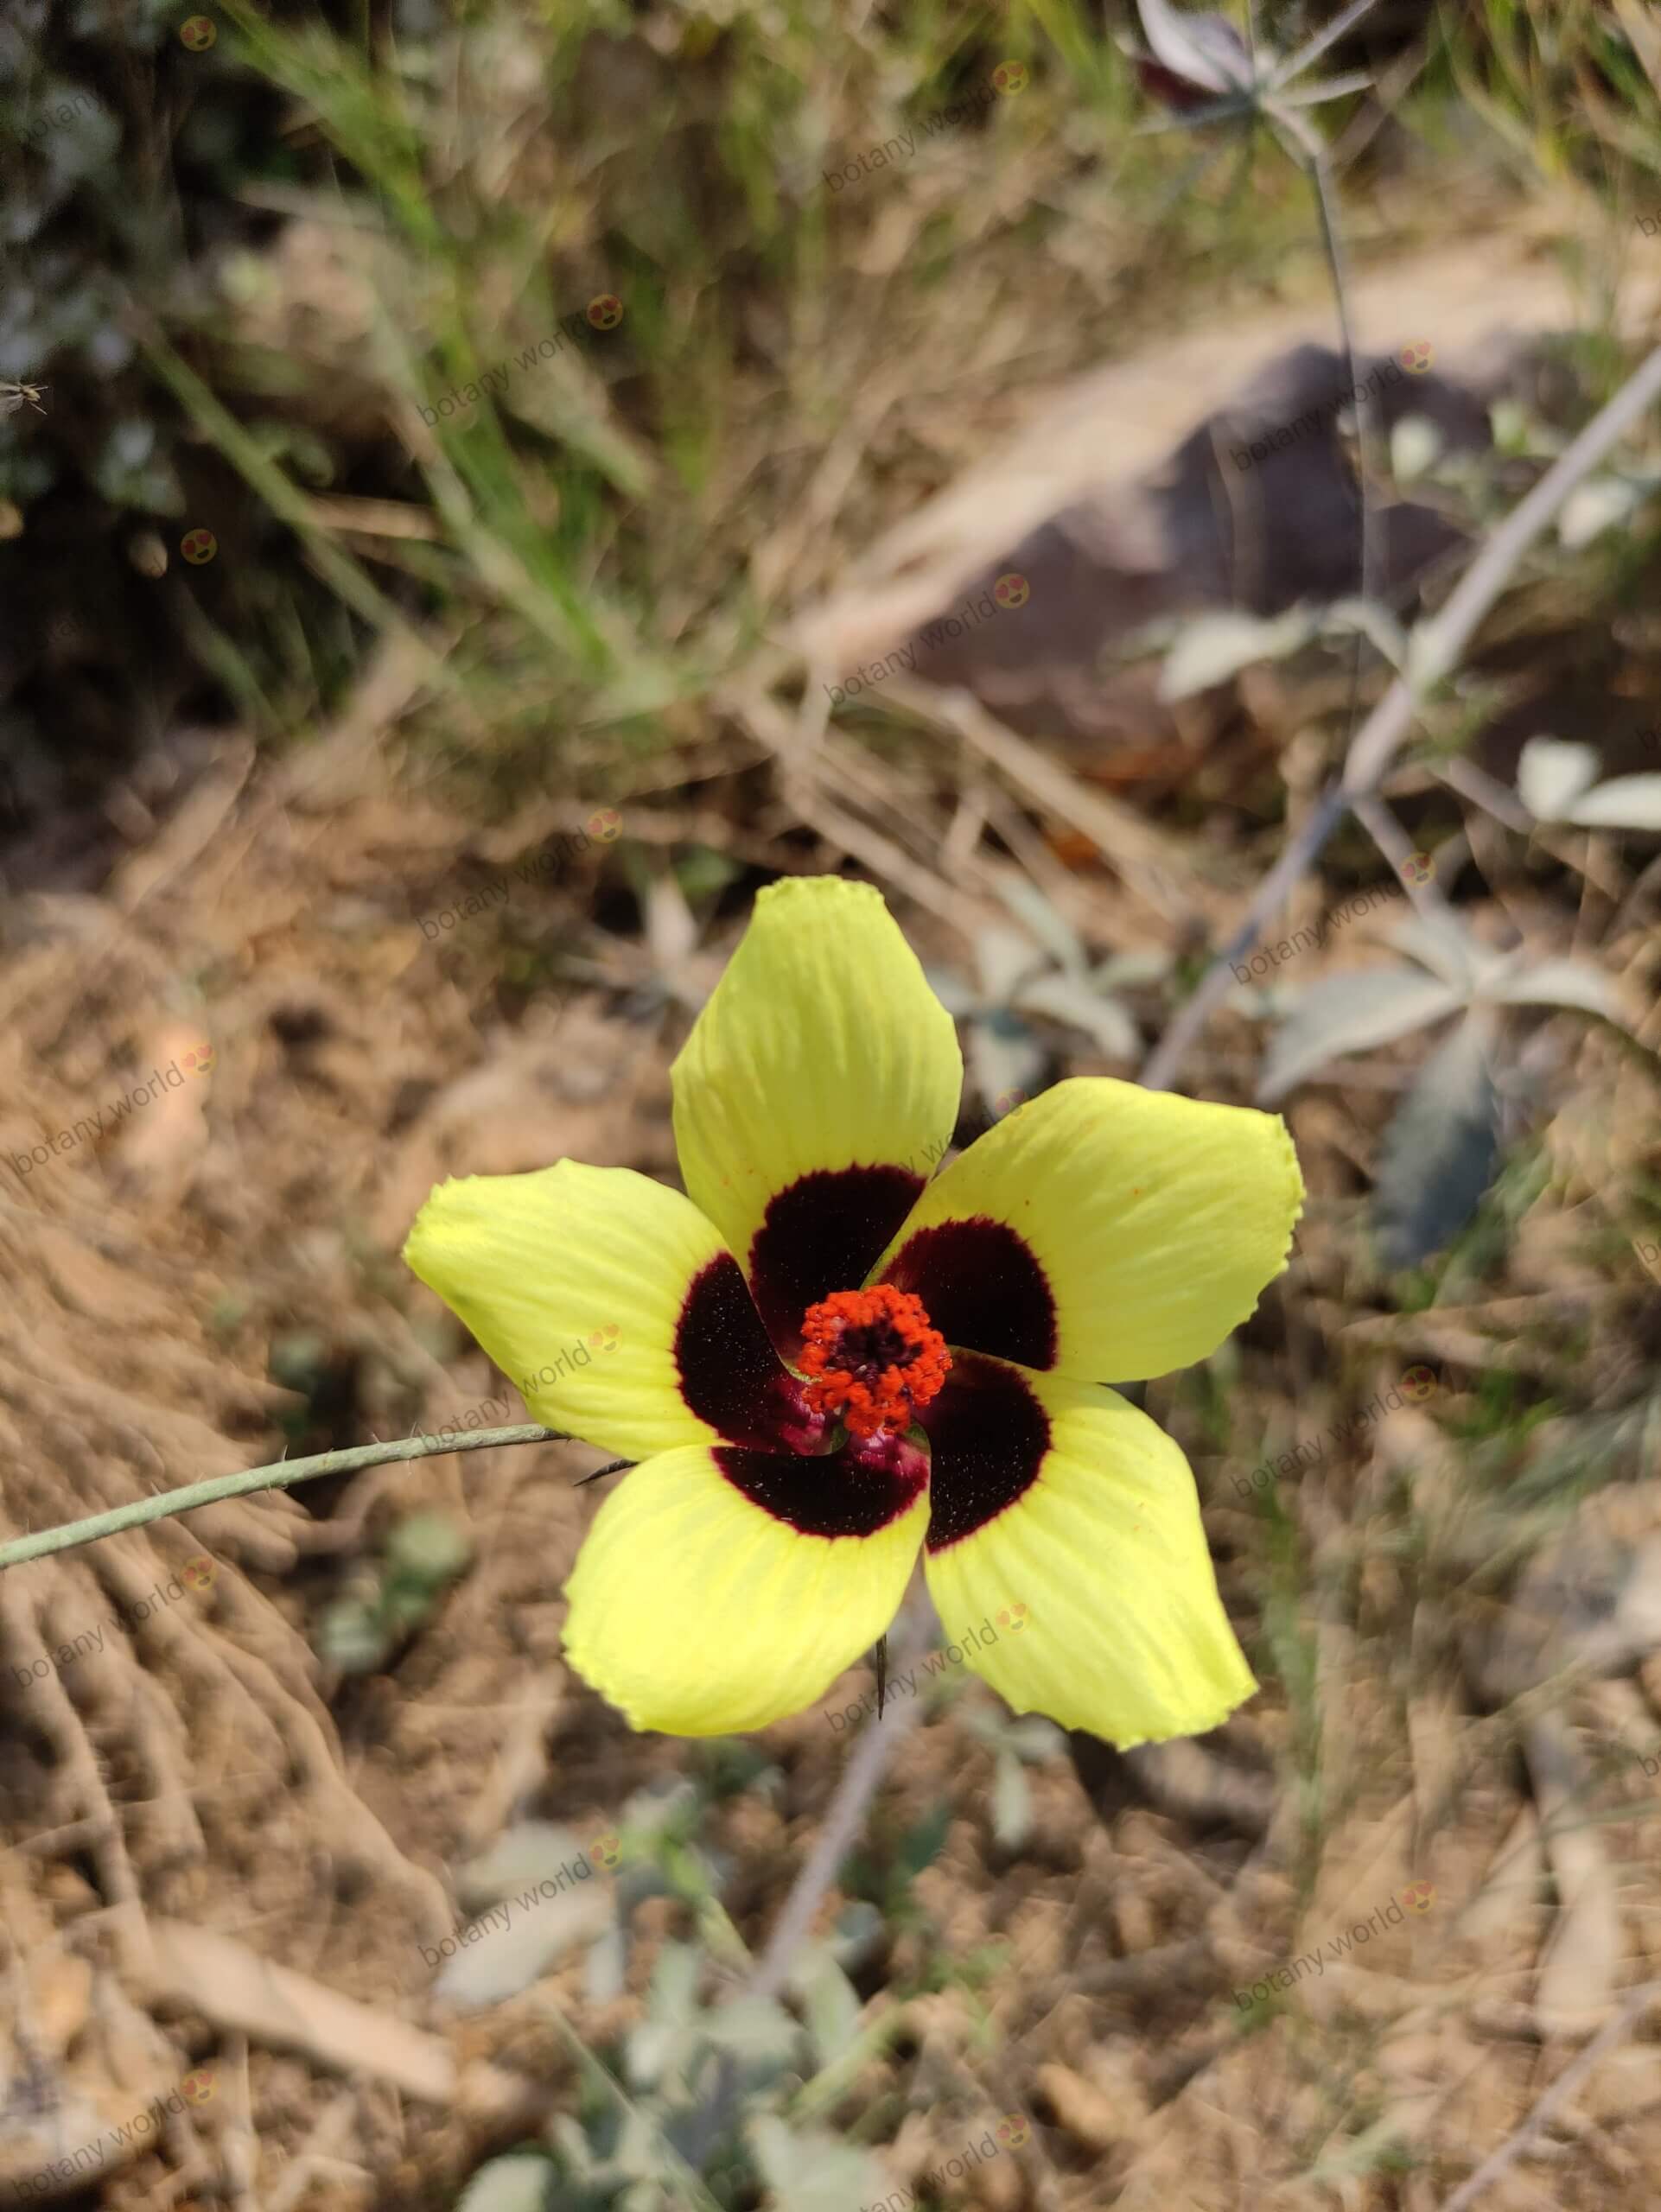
pixel 829 1361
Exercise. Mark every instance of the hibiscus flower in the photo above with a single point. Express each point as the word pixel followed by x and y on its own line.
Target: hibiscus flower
pixel 826 1359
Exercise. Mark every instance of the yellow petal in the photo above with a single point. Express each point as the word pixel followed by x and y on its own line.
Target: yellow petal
pixel 576 1281
pixel 1085 1577
pixel 817 1090
pixel 699 1608
pixel 1104 1231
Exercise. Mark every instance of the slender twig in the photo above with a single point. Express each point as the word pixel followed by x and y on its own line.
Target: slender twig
pixel 1318 167
pixel 1566 2083
pixel 1318 45
pixel 1434 651
pixel 281 1476
pixel 853 1793
pixel 1482 790
pixel 1393 842
pixel 1319 170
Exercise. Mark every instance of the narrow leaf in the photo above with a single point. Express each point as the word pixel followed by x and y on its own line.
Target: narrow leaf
pixel 1204 49
pixel 1440 943
pixel 752 2027
pixel 1214 647
pixel 521 2181
pixel 1048 924
pixel 832 2002
pixel 1440 1152
pixel 1352 1013
pixel 1069 999
pixel 1555 983
pixel 807 2170
pixel 1012 1803
pixel 1624 803
pixel 1552 774
pixel 1005 958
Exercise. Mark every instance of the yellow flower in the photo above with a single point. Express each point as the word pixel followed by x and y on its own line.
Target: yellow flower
pixel 824 1360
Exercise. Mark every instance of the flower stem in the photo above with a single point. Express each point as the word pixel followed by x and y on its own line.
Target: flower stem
pixel 281 1476
pixel 854 1792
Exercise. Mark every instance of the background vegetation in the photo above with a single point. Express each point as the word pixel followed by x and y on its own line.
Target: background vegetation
pixel 423 654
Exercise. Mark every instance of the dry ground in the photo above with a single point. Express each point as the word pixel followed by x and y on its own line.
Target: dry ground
pixel 1455 1614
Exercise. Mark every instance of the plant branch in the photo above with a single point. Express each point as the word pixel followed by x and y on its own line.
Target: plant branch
pixel 281 1476
pixel 1615 2031
pixel 1307 55
pixel 854 1792
pixel 1434 651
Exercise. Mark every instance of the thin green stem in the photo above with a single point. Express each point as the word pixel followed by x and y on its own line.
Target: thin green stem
pixel 282 1476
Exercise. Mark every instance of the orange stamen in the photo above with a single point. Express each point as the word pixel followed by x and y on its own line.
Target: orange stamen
pixel 872 1358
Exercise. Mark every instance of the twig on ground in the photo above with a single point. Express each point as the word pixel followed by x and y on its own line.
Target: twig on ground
pixel 1569 2080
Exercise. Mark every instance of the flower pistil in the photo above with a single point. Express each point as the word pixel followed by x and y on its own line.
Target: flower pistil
pixel 872 1358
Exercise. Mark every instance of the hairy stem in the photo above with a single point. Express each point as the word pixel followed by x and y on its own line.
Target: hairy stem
pixel 281 1476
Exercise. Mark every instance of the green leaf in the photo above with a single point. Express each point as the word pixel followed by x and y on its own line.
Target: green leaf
pixel 1046 921
pixel 1596 505
pixel 1552 775
pixel 496 1957
pixel 429 1546
pixel 1351 1014
pixel 1012 1803
pixel 1440 942
pixel 922 1845
pixel 806 2170
pixel 528 1852
pixel 521 2181
pixel 1214 647
pixel 1624 803
pixel 1006 1061
pixel 1005 959
pixel 1440 1149
pixel 1069 999
pixel 1555 983
pixel 832 2004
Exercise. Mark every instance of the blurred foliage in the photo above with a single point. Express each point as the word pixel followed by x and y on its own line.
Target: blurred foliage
pixel 387 1603
pixel 715 2092
pixel 612 524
